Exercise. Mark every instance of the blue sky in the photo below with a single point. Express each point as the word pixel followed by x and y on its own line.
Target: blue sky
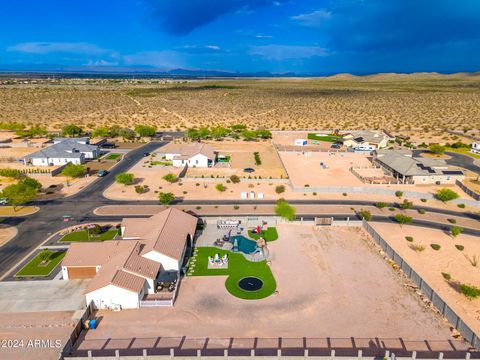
pixel 302 36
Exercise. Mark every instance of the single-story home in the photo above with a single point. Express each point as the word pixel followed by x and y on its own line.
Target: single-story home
pixel 416 170
pixel 63 151
pixel 126 273
pixel 475 147
pixel 374 139
pixel 194 155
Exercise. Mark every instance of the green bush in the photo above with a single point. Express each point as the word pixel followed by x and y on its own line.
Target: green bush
pixel 10 173
pixel 446 195
pixel 365 214
pixel 74 170
pixel 421 211
pixel 437 149
pixel 423 200
pixel 139 189
pixel 285 210
pixel 381 205
pixel 280 189
pixel 234 179
pixel 406 204
pixel 72 130
pixel 166 198
pixel 399 193
pixel 461 206
pixel 409 238
pixel 145 130
pixel 456 230
pixel 460 247
pixel 125 178
pixel 470 291
pixel 221 187
pixel 32 183
pixel 435 246
pixel 446 276
pixel 258 161
pixel 403 219
pixel 452 221
pixel 171 178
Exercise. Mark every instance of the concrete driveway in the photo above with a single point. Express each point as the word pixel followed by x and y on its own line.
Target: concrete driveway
pixel 53 295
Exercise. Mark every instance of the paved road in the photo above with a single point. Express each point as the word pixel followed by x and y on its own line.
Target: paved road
pixel 34 229
pixel 459 160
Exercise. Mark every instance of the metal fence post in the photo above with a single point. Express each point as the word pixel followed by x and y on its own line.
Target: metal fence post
pixel 172 353
pixel 440 356
pixel 144 354
pixel 305 353
pixel 332 354
pixel 467 356
pixel 89 354
pixel 414 355
pixel 117 354
pixel 225 353
pixel 252 353
pixel 279 353
pixel 359 356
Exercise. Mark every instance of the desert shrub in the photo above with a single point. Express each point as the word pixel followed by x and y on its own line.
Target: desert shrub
pixel 365 214
pixel 73 170
pixel 417 247
pixel 285 210
pixel 344 194
pixel 461 206
pixel 124 178
pixel 435 246
pixel 446 276
pixel 256 155
pixel 437 149
pixel 220 187
pixel 399 193
pixel 139 189
pixel 470 291
pixel 446 195
pixel 406 204
pixel 456 230
pixel 236 207
pixel 381 205
pixel 280 189
pixel 460 247
pixel 423 200
pixel 403 219
pixel 31 183
pixel 392 209
pixel 145 130
pixel 72 130
pixel 409 238
pixel 234 179
pixel 10 173
pixel 452 221
pixel 166 198
pixel 421 211
pixel 171 178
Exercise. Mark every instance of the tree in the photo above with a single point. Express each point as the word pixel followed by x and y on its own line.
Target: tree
pixel 115 131
pixel 437 149
pixel 238 127
pixel 280 189
pixel 234 179
pixel 446 195
pixel 19 194
pixel 193 134
pixel 220 187
pixel 203 132
pixel 171 178
pixel 32 183
pixel 125 178
pixel 219 132
pixel 166 198
pixel 264 134
pixel 145 130
pixel 44 255
pixel 403 219
pixel 285 210
pixel 102 132
pixel 406 204
pixel 456 230
pixel 398 193
pixel 365 215
pixel 72 130
pixel 74 170
pixel 126 134
pixel 249 135
pixel 139 189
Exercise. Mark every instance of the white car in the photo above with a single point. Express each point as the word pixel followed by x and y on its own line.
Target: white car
pixel 3 201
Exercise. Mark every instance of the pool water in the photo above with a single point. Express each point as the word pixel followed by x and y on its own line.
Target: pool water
pixel 245 245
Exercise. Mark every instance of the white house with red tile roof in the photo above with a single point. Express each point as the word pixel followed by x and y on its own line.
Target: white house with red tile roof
pixel 193 155
pixel 124 272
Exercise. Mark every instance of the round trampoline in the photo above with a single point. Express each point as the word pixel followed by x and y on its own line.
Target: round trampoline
pixel 250 283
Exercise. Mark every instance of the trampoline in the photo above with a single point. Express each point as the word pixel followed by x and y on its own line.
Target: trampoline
pixel 250 283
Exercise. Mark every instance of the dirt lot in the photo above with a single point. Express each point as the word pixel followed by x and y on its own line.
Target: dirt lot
pixel 338 270
pixel 430 264
pixel 7 233
pixel 336 172
pixel 52 327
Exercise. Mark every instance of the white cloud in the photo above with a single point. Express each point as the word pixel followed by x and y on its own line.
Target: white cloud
pixel 285 52
pixel 101 62
pixel 263 36
pixel 42 48
pixel 166 59
pixel 313 19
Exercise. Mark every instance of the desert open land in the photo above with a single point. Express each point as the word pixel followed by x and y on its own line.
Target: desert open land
pixel 430 102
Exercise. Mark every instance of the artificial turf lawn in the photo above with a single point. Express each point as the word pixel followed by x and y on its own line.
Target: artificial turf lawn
pixel 270 234
pixel 33 268
pixel 82 236
pixel 238 268
pixel 327 138
pixel 112 156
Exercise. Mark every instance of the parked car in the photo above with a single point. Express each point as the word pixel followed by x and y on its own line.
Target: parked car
pixel 3 201
pixel 102 173
pixel 335 146
pixel 248 170
pixel 146 154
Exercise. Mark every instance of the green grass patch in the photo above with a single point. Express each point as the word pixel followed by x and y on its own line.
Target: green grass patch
pixel 35 268
pixel 326 138
pixel 270 234
pixel 463 151
pixel 238 268
pixel 82 236
pixel 161 163
pixel 112 156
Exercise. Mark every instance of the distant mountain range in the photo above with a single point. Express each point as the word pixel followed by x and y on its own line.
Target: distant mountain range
pixel 149 72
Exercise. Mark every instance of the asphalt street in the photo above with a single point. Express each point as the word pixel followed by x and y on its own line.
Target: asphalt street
pixel 35 228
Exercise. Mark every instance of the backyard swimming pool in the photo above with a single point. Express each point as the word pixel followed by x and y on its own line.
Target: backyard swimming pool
pixel 245 245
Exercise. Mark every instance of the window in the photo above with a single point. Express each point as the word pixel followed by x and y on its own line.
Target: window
pixel 196 162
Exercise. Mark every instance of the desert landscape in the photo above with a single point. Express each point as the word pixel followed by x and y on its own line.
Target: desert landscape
pixel 396 102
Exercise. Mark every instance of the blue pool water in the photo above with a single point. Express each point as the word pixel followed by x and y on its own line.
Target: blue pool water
pixel 245 245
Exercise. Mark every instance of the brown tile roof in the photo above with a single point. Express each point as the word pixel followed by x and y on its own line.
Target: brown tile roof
pixel 128 281
pixel 142 266
pixel 186 151
pixel 96 253
pixel 165 232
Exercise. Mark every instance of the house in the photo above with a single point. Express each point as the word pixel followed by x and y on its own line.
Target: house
pixel 416 170
pixel 126 273
pixel 194 155
pixel 300 142
pixel 374 139
pixel 63 151
pixel 475 147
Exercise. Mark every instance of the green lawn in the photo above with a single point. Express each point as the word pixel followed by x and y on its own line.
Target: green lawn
pixel 33 268
pixel 112 156
pixel 270 234
pixel 327 138
pixel 238 268
pixel 81 235
pixel 161 163
pixel 463 151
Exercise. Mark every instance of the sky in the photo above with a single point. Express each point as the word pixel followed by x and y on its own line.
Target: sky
pixel 277 36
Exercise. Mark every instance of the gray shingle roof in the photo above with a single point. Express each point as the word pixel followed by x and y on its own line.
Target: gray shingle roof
pixel 68 148
pixel 408 166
